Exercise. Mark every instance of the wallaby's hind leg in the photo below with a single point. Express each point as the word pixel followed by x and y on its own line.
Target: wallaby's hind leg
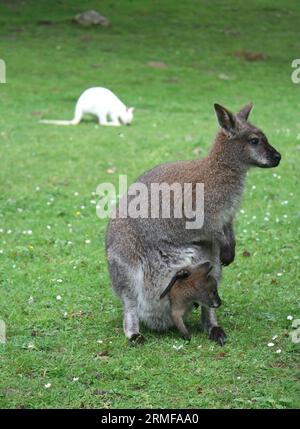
pixel 177 316
pixel 131 324
pixel 210 325
pixel 123 284
pixel 77 116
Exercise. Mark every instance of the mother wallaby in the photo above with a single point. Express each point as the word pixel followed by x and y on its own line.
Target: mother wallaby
pixel 144 253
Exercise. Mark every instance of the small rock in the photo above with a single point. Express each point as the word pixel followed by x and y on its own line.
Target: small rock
pixel 91 17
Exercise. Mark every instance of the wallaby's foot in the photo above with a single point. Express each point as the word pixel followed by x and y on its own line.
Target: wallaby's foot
pixel 136 340
pixel 111 124
pixel 227 255
pixel 217 334
pixel 186 336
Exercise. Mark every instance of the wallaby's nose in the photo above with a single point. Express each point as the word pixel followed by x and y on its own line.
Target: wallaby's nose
pixel 277 157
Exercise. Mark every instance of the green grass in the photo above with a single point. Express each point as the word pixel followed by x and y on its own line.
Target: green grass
pixel 43 167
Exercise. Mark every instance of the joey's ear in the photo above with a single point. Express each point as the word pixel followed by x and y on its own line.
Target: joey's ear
pixel 245 111
pixel 181 274
pixel 225 118
pixel 131 109
pixel 205 268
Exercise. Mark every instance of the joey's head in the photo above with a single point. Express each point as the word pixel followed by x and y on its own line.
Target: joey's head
pixel 243 144
pixel 126 117
pixel 202 283
pixel 206 285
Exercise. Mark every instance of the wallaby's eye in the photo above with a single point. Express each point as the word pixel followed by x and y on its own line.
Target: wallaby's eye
pixel 254 141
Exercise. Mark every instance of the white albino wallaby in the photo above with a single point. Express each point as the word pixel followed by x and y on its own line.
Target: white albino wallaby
pixel 103 104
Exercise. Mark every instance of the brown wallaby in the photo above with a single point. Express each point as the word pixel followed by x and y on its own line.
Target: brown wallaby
pixel 144 253
pixel 189 286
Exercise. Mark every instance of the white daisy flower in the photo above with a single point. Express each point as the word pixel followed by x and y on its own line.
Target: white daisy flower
pixel 177 347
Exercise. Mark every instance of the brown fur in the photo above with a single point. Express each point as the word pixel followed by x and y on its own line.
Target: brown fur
pixel 190 286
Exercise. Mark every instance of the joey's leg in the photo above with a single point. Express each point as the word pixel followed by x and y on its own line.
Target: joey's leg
pixel 177 316
pixel 131 322
pixel 210 325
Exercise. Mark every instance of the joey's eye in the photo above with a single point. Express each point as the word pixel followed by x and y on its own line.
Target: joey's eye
pixel 253 141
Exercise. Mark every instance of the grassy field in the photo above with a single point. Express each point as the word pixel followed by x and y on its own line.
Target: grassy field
pixel 65 346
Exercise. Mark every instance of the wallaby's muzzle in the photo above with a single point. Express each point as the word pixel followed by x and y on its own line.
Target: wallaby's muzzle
pixel 273 159
pixel 276 158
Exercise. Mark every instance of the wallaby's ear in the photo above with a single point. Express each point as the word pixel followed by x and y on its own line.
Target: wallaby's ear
pixel 245 112
pixel 205 268
pixel 225 118
pixel 182 274
pixel 131 109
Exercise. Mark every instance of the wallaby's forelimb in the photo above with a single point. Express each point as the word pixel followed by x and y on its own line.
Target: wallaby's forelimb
pixel 227 249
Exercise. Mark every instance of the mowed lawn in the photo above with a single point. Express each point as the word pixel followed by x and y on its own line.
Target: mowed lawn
pixel 65 344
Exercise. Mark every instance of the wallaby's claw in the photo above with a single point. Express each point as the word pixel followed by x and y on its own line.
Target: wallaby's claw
pixel 217 334
pixel 227 256
pixel 136 340
pixel 186 337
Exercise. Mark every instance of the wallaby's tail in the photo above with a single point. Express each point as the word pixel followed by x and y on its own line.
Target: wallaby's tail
pixel 58 122
pixel 77 118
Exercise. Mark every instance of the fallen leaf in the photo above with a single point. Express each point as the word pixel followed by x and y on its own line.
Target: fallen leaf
pixel 87 38
pixel 17 29
pixel 250 55
pixel 157 64
pixel 79 313
pixel 220 355
pixel 172 79
pixel 246 253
